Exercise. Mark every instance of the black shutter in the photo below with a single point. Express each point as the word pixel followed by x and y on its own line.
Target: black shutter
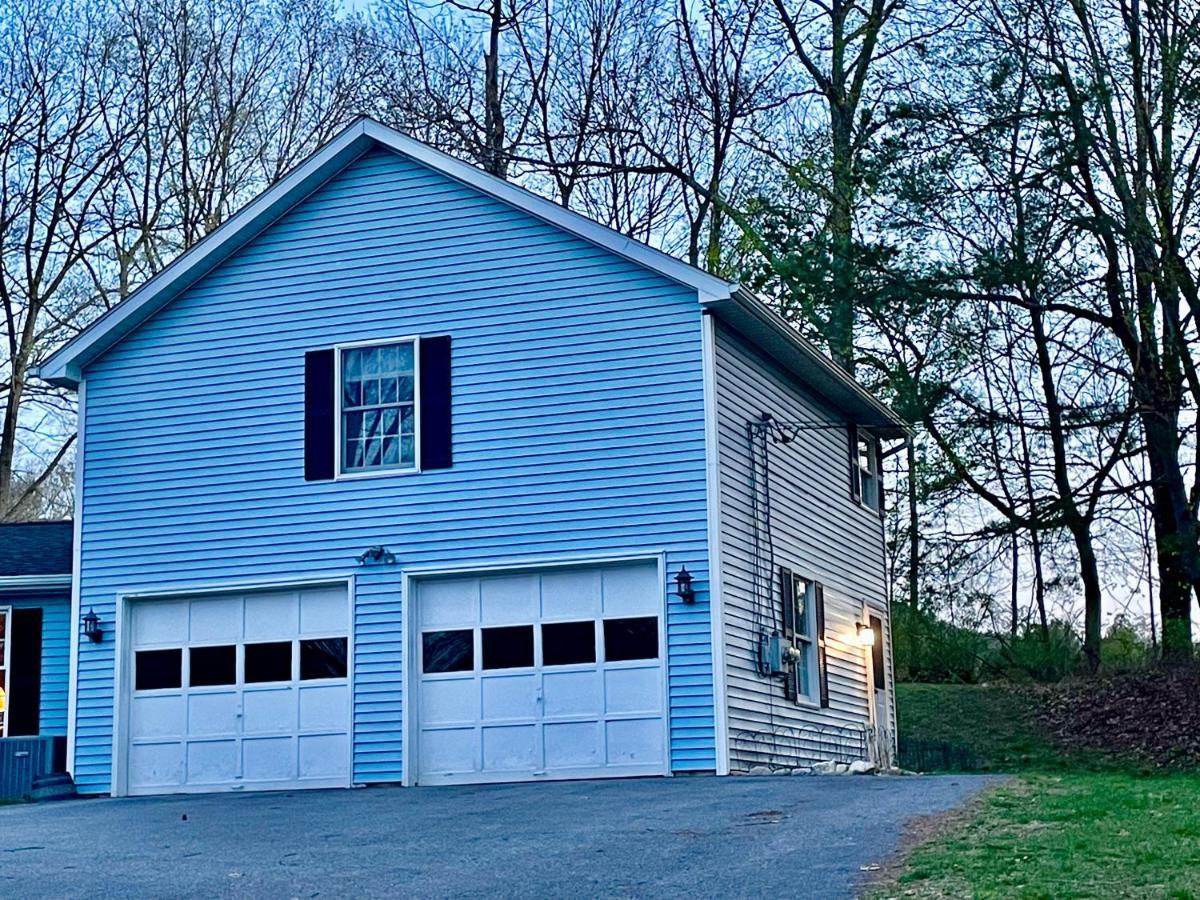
pixel 787 595
pixel 822 669
pixel 855 485
pixel 319 446
pixel 25 673
pixel 879 474
pixel 436 433
pixel 877 654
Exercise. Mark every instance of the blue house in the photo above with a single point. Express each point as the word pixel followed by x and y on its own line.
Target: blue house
pixel 405 474
pixel 35 631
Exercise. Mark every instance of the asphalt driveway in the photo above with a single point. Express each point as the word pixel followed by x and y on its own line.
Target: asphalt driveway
pixel 735 837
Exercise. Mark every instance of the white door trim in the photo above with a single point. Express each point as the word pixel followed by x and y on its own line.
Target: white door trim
pixel 6 667
pixel 121 641
pixel 409 678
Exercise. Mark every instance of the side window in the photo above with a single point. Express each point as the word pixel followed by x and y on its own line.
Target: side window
pixel 377 407
pixel 804 628
pixel 865 485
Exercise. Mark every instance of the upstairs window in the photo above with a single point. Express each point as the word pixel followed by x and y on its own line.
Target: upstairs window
pixel 378 419
pixel 864 469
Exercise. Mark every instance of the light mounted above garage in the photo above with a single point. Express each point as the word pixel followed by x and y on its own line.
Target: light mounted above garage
pixel 379 555
pixel 683 585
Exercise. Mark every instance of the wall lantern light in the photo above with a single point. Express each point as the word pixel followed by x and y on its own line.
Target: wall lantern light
pixel 683 585
pixel 866 635
pixel 90 626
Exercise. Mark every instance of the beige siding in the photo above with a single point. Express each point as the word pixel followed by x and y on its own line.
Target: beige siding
pixel 819 532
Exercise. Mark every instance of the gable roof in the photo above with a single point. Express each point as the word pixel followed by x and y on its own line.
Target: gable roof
pixel 726 299
pixel 35 548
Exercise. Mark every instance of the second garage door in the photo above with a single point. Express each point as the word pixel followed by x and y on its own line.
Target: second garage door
pixel 541 675
pixel 239 692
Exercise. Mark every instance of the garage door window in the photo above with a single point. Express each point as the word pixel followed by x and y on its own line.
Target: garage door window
pixel 209 666
pixel 568 643
pixel 323 658
pixel 508 648
pixel 269 662
pixel 627 639
pixel 156 670
pixel 448 651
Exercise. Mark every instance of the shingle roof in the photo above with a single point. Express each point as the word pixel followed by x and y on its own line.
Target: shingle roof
pixel 35 548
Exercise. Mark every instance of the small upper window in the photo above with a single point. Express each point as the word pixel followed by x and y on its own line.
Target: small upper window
pixel 866 469
pixel 378 407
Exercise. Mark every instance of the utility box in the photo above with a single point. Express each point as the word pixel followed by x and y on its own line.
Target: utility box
pixel 778 654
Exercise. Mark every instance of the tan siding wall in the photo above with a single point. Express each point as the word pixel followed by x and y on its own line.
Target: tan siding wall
pixel 819 532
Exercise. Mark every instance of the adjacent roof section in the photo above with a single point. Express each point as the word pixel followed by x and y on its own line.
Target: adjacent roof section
pixel 35 549
pixel 65 367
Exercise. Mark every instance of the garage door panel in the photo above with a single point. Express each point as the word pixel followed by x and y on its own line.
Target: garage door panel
pixel 633 690
pixel 156 765
pixel 215 620
pixel 510 599
pixel 573 745
pixel 510 748
pixel 212 762
pixel 324 756
pixel 324 708
pixel 162 716
pixel 571 594
pixel 449 750
pixel 631 591
pixel 573 694
pixel 269 759
pixel 509 697
pixel 449 701
pixel 634 742
pixel 322 612
pixel 161 622
pixel 273 616
pixel 449 603
pixel 266 711
pixel 212 714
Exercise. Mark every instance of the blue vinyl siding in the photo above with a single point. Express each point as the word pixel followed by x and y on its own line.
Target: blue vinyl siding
pixel 577 415
pixel 56 653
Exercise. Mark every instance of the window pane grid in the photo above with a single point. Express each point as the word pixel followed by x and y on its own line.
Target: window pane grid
pixel 378 413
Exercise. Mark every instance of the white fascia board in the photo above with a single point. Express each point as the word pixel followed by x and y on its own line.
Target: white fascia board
pixel 64 367
pixel 766 329
pixel 31 582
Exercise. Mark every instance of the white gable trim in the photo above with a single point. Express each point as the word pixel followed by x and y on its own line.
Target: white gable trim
pixel 65 366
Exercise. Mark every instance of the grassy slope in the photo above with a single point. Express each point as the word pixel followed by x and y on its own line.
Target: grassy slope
pixel 1069 826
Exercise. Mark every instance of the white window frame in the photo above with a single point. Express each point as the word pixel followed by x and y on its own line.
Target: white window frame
pixel 870 471
pixel 806 643
pixel 6 661
pixel 338 472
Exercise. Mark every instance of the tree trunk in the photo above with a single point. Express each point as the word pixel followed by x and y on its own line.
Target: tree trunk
pixel 493 116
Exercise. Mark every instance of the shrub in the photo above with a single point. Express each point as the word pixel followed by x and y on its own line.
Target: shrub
pixel 1034 656
pixel 930 650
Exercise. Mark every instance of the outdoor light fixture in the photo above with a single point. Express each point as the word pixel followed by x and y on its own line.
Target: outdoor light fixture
pixel 90 626
pixel 866 635
pixel 683 586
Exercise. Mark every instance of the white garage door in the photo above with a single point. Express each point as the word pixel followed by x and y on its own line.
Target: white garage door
pixel 238 692
pixel 541 675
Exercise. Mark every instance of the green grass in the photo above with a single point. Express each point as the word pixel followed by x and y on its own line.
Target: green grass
pixel 995 723
pixel 1071 836
pixel 1070 825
